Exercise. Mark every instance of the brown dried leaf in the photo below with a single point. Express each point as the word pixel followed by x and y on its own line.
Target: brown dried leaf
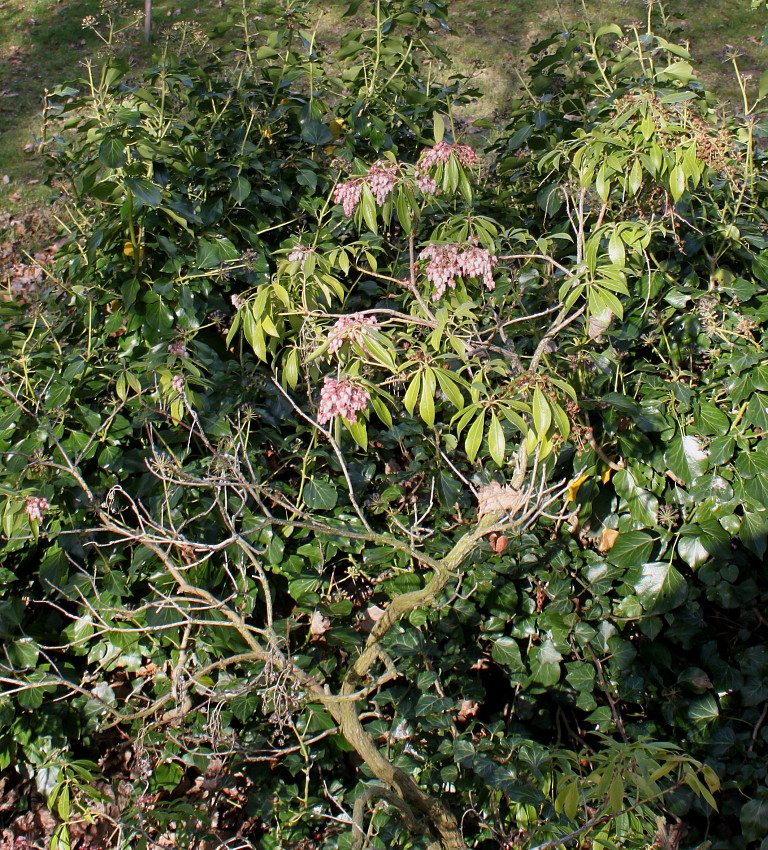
pixel 496 497
pixel 607 539
pixel 319 625
pixel 468 708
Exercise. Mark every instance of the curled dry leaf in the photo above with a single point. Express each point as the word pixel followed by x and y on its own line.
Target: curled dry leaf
pixel 372 615
pixel 500 544
pixel 319 625
pixel 497 497
pixel 468 708
pixel 606 539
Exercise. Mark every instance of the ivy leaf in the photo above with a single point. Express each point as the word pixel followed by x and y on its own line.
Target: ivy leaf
pixel 320 495
pixel 703 710
pixel 686 458
pixel 212 253
pixel 506 650
pixel 642 505
pixel 315 132
pixel 240 189
pixel 712 420
pixel 112 153
pixel 660 585
pixel 754 817
pixel 754 531
pixel 631 549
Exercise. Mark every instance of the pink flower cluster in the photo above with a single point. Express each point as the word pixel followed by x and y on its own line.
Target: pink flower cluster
pixel 351 328
pixel 35 507
pixel 178 349
pixel 381 179
pixel 440 153
pixel 178 383
pixel 299 254
pixel 348 194
pixel 341 398
pixel 446 263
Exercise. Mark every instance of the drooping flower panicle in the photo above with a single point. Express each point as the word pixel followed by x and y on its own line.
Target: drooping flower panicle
pixel 350 328
pixel 299 254
pixel 437 155
pixel 447 262
pixel 340 397
pixel 380 179
pixel 35 507
pixel 442 152
pixel 348 195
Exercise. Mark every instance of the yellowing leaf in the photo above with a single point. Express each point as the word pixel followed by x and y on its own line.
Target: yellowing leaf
pixel 573 488
pixel 605 475
pixel 337 127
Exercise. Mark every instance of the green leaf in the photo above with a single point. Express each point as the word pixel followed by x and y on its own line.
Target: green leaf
pixel 542 415
pixel 703 710
pixel 753 532
pixel 212 253
pixel 315 132
pixel 686 458
pixel 450 388
pixel 23 652
pixel 712 420
pixel 438 127
pixel 631 549
pixel 660 585
pixel 359 432
pixel 427 397
pixel 240 189
pixel 145 190
pixel 642 505
pixel 474 436
pixel 616 793
pixel 412 393
pixel 320 495
pixel 754 817
pixel 368 209
pixel 692 548
pixel 112 153
pixel 496 440
pixel 506 650
pixel 677 182
pixel 762 86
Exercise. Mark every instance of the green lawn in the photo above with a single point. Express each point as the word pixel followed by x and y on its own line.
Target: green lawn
pixel 43 44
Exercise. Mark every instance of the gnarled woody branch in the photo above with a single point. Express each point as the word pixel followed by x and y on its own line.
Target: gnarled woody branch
pixel 173 549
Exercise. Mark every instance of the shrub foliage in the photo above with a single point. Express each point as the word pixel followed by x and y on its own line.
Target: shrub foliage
pixel 404 492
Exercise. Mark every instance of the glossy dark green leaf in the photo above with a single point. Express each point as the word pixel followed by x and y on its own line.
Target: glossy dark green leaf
pixel 631 549
pixel 145 190
pixel 320 495
pixel 687 458
pixel 660 585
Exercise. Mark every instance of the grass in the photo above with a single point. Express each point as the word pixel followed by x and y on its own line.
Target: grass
pixel 44 43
